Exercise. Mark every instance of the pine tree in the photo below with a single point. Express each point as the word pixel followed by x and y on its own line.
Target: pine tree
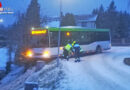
pixel 111 18
pixel 112 7
pixel 101 18
pixel 32 19
pixel 68 20
pixel 95 12
pixel 33 14
pixel 120 32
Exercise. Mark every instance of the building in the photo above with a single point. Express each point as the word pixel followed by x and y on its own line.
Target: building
pixel 87 21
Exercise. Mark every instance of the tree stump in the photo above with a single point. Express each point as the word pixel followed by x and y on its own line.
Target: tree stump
pixel 31 86
pixel 127 61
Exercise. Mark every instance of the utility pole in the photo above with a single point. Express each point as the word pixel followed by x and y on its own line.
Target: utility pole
pixel 59 34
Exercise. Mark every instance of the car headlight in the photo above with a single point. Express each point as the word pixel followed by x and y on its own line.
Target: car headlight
pixel 46 54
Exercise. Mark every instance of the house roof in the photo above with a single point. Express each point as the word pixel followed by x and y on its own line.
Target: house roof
pixel 86 18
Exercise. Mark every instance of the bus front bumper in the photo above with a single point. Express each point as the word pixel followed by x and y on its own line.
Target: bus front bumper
pixel 36 58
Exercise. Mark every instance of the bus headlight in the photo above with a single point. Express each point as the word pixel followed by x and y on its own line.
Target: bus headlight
pixel 46 54
pixel 29 53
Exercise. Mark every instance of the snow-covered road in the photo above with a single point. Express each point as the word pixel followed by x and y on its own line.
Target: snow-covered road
pixel 104 71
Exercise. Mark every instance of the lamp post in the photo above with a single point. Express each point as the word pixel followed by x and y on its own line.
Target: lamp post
pixel 59 33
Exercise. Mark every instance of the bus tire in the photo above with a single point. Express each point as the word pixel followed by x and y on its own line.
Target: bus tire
pixel 98 49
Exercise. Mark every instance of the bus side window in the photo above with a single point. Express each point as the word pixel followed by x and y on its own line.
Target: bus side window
pixel 53 39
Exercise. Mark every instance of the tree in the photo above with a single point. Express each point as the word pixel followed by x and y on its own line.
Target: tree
pixel 101 18
pixel 112 7
pixel 68 20
pixel 95 12
pixel 33 14
pixel 20 31
pixel 112 18
pixel 32 19
pixel 121 28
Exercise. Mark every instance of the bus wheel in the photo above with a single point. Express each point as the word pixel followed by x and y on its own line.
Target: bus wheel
pixel 98 49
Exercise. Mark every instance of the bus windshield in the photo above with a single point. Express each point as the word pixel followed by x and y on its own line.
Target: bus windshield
pixel 39 38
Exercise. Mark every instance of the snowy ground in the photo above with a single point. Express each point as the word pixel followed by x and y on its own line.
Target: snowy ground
pixel 104 71
pixel 3 57
pixel 15 79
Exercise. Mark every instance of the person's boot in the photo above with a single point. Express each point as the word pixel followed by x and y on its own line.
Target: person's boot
pixel 67 58
pixel 78 59
pixel 75 59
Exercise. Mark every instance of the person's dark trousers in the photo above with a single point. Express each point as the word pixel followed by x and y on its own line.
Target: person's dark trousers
pixel 77 55
pixel 66 54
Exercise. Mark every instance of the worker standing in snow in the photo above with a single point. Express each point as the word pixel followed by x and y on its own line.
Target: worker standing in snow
pixel 76 50
pixel 67 51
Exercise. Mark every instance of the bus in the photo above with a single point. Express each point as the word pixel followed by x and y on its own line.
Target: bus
pixel 44 41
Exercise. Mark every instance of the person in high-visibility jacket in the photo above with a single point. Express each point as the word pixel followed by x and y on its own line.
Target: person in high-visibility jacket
pixel 74 42
pixel 76 50
pixel 67 51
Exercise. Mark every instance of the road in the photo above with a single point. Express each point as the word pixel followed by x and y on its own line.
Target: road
pixel 105 71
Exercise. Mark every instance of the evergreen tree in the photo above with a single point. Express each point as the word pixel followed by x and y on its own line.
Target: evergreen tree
pixel 33 14
pixel 117 22
pixel 19 34
pixel 112 7
pixel 111 18
pixel 68 20
pixel 101 18
pixel 120 30
pixel 95 12
pixel 32 19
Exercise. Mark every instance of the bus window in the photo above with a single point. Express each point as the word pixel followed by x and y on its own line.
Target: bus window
pixel 53 39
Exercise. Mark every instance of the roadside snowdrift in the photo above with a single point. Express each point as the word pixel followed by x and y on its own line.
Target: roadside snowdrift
pixel 15 80
pixel 49 77
pixel 3 57
pixel 104 71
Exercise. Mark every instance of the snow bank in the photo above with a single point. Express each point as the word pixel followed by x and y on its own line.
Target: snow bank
pixel 3 57
pixel 15 80
pixel 13 75
pixel 49 77
pixel 104 71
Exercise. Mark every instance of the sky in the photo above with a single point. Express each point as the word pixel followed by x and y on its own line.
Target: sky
pixel 51 7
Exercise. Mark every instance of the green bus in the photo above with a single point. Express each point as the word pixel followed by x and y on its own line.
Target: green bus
pixel 44 41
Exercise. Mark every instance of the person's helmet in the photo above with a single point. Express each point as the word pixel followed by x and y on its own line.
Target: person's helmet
pixel 74 41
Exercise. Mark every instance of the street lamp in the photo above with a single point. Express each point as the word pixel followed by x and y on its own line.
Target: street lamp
pixel 32 28
pixel 59 33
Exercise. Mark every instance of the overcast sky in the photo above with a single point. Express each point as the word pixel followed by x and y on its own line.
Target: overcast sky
pixel 51 7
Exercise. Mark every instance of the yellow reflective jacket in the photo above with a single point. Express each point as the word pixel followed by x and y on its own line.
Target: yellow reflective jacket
pixel 68 47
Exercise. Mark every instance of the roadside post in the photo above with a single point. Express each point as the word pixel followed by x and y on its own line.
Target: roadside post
pixel 59 34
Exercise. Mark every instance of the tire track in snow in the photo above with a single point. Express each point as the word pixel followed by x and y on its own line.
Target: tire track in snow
pixel 101 82
pixel 98 72
pixel 106 71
